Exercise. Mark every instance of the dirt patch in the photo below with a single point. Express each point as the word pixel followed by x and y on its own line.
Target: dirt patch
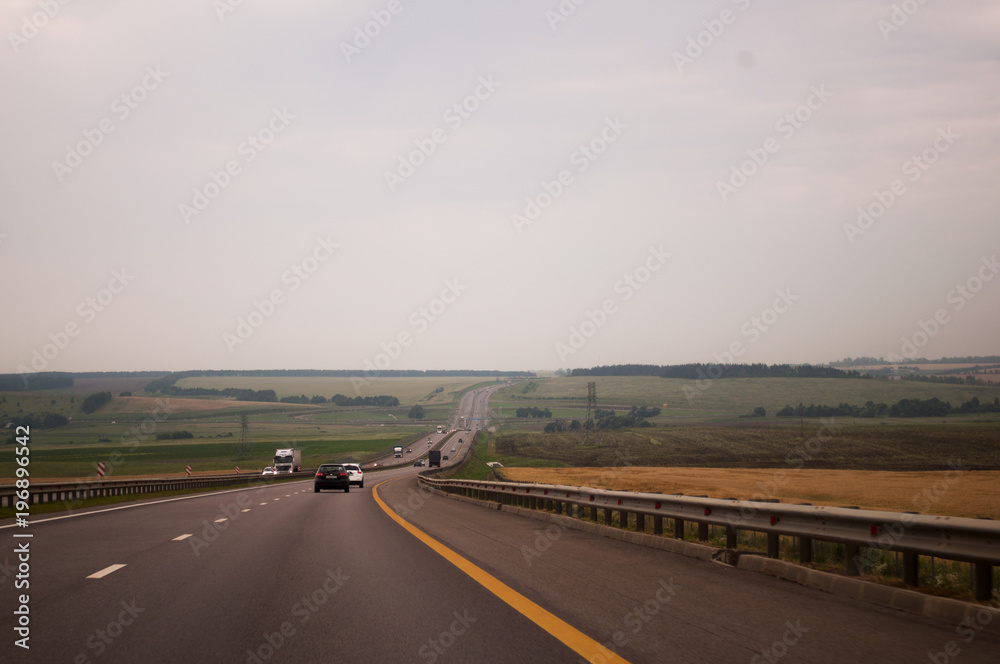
pixel 950 493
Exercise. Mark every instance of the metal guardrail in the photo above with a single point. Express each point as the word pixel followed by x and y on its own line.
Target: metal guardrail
pixel 975 541
pixel 70 492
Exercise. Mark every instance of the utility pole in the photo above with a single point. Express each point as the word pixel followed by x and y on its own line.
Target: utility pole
pixel 243 450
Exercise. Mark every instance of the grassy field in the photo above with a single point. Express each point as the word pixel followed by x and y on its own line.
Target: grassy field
pixel 723 399
pixel 969 494
pixel 893 447
pixel 409 391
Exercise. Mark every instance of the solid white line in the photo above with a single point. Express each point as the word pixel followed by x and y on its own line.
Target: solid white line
pixel 104 572
pixel 133 505
pixel 220 520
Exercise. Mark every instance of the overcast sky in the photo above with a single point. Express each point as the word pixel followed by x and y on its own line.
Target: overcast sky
pixel 193 185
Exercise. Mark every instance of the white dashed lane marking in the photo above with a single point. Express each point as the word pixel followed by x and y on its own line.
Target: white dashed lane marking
pixel 104 572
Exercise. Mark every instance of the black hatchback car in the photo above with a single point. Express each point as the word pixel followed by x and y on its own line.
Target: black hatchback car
pixel 332 476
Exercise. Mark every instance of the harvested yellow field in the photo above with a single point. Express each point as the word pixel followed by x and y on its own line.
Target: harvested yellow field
pixel 951 492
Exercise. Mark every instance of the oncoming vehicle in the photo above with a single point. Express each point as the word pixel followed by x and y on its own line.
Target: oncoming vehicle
pixel 418 462
pixel 357 475
pixel 268 471
pixel 444 458
pixel 332 476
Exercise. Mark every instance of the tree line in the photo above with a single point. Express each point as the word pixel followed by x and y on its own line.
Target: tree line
pixel 700 371
pixel 932 407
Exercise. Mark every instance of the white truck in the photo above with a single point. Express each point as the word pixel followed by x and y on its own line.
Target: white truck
pixel 287 460
pixel 397 451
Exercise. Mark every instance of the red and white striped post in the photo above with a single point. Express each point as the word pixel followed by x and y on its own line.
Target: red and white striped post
pixel 100 469
pixel 237 470
pixel 188 468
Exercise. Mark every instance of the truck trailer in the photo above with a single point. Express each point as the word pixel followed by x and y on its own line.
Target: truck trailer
pixel 287 460
pixel 434 459
pixel 397 451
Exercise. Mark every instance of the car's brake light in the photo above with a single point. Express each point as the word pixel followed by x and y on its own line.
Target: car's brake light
pixel 319 475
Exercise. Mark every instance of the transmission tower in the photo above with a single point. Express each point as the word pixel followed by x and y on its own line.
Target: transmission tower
pixel 243 450
pixel 591 408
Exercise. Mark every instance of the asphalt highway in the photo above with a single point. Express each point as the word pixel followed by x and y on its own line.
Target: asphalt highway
pixel 282 574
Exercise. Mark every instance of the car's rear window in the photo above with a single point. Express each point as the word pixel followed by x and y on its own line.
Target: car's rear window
pixel 330 469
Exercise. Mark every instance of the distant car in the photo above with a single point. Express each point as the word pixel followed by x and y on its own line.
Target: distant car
pixel 357 475
pixel 408 450
pixel 268 471
pixel 460 440
pixel 453 450
pixel 332 476
pixel 444 458
pixel 418 462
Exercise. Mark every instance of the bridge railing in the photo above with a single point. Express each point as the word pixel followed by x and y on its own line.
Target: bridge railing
pixel 975 541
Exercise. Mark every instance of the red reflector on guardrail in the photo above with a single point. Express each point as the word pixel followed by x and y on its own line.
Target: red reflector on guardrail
pixel 774 520
pixel 708 510
pixel 546 492
pixel 591 499
pixel 619 501
pixel 657 506
pixel 874 531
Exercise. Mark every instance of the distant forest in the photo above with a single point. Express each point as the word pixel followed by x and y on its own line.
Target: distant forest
pixel 872 361
pixel 702 371
pixel 167 381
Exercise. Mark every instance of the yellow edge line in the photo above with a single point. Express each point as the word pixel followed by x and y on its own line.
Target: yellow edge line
pixel 573 638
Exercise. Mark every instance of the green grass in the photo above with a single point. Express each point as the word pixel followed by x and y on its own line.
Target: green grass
pixel 170 457
pixel 723 399
pixel 409 391
pixel 869 446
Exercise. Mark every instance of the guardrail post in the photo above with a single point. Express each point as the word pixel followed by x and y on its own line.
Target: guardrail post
pixel 911 569
pixel 732 539
pixel 983 581
pixel 702 531
pixel 773 545
pixel 593 512
pixel 852 556
pixel 623 520
pixel 679 528
pixel 657 525
pixel 608 516
pixel 805 550
pixel 640 522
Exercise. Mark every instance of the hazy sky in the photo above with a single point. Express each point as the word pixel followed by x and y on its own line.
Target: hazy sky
pixel 510 185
